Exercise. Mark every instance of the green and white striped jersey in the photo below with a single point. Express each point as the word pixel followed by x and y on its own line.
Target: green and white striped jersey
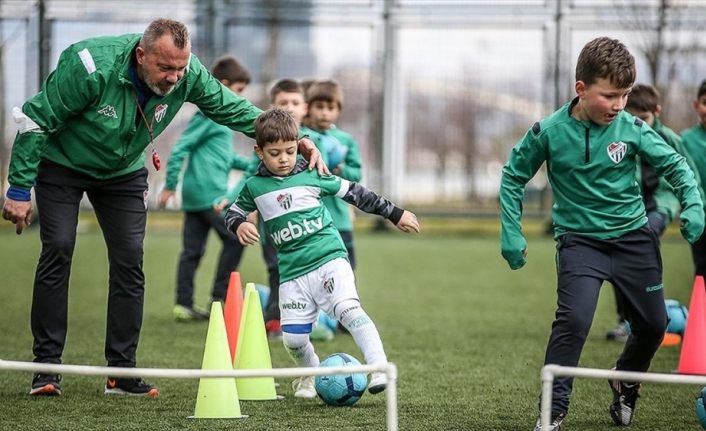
pixel 298 223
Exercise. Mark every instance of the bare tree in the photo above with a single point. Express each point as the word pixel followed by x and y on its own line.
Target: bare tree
pixel 657 26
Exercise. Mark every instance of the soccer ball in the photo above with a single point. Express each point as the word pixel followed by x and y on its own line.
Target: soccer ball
pixel 676 316
pixel 700 409
pixel 341 389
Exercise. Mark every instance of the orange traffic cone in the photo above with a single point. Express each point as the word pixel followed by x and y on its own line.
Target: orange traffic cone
pixel 693 351
pixel 233 310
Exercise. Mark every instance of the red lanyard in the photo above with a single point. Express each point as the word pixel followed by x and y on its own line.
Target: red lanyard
pixel 156 162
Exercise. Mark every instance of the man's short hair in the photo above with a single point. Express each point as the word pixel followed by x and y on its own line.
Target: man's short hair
pixel 606 58
pixel 702 89
pixel 326 91
pixel 227 68
pixel 161 26
pixel 285 86
pixel 643 98
pixel 274 125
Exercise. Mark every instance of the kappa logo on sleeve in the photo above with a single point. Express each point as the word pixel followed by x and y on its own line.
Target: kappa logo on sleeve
pixel 616 151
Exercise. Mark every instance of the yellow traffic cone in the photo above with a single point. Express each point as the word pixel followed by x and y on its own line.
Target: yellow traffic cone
pixel 253 351
pixel 217 397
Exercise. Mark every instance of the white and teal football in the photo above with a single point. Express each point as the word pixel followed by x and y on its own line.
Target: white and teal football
pixel 341 389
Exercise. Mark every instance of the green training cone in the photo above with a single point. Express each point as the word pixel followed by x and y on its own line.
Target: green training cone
pixel 253 351
pixel 217 397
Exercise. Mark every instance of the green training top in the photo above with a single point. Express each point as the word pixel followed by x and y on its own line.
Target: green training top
pixel 694 141
pixel 208 148
pixel 591 169
pixel 333 140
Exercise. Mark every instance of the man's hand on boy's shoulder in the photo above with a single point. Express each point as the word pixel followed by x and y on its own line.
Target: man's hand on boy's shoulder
pixel 692 223
pixel 313 155
pixel 408 222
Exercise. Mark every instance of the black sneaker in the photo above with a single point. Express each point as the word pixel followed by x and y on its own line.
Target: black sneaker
pixel 130 386
pixel 557 419
pixel 625 396
pixel 46 384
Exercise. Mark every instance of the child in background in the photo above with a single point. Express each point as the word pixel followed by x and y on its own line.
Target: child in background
pixel 339 150
pixel 208 147
pixel 590 146
pixel 314 271
pixel 661 205
pixel 694 141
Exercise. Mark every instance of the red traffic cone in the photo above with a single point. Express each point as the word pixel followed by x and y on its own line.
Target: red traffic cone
pixel 693 351
pixel 233 310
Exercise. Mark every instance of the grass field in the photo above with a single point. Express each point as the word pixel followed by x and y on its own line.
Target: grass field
pixel 467 334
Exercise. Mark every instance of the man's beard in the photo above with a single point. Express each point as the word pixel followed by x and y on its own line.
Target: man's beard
pixel 156 89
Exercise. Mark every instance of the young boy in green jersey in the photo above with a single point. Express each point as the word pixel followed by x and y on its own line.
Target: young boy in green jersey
pixel 314 270
pixel 694 140
pixel 661 205
pixel 208 147
pixel 591 146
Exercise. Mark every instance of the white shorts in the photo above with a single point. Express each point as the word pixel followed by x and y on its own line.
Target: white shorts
pixel 301 299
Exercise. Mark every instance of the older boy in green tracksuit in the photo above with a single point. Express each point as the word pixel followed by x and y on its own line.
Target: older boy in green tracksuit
pixel 694 140
pixel 590 146
pixel 206 148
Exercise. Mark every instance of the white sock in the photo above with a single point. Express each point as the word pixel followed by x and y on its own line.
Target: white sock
pixel 364 332
pixel 300 349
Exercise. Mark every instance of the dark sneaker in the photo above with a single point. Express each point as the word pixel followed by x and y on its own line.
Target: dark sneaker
pixel 46 384
pixel 130 386
pixel 625 396
pixel 555 425
pixel 189 314
pixel 620 333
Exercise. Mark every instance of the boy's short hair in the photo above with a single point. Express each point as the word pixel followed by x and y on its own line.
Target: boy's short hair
pixel 606 58
pixel 326 91
pixel 285 86
pixel 227 68
pixel 643 98
pixel 702 89
pixel 274 125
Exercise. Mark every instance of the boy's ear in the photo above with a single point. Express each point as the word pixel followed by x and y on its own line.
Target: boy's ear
pixel 658 110
pixel 580 88
pixel 259 152
pixel 696 105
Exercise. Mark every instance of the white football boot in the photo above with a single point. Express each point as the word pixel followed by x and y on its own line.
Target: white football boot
pixel 378 382
pixel 304 387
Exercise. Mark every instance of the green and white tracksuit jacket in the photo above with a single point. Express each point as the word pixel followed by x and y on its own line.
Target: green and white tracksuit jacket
pixel 591 169
pixel 84 117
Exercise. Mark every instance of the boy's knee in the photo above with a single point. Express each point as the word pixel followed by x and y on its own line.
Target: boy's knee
pixel 296 336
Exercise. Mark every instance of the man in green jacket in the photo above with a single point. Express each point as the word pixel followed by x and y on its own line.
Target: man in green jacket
pixel 86 131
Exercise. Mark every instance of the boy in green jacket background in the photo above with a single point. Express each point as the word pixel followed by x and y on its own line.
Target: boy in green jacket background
pixel 694 141
pixel 205 150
